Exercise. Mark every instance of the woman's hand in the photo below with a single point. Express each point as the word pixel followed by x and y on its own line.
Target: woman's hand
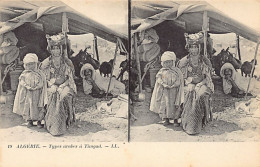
pixel 53 88
pixel 64 84
pixel 190 87
pixel 198 86
pixel 59 89
pixel 188 80
pixel 51 81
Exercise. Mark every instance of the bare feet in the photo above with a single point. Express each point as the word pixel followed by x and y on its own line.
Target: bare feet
pixel 176 124
pixel 166 122
pixel 30 124
pixel 39 125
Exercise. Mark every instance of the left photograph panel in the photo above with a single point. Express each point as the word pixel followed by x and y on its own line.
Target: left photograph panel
pixel 64 71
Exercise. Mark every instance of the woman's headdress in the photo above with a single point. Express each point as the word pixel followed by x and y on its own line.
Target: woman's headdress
pixel 193 39
pixel 56 40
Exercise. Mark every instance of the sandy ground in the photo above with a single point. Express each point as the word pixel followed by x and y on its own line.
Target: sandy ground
pixel 229 123
pixel 91 125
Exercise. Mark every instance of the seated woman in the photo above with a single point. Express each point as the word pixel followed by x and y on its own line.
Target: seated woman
pixel 31 94
pixel 198 86
pixel 233 83
pixel 95 84
pixel 61 88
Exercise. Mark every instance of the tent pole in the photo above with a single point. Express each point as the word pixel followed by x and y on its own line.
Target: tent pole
pixel 205 29
pixel 96 46
pixel 238 48
pixel 94 49
pixel 65 29
pixel 1 87
pixel 138 63
pixel 117 44
pixel 252 69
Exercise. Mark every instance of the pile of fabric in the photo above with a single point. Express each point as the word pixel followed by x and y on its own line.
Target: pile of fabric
pixel 149 49
pixel 118 107
pixel 8 49
pixel 250 107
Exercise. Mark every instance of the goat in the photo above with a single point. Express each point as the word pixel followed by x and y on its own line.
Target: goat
pixel 124 67
pixel 247 67
pixel 106 68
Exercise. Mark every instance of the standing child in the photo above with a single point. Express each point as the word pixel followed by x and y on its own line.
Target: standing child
pixel 168 93
pixel 31 95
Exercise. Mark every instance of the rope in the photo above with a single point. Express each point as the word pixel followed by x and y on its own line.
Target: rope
pixel 252 69
pixel 147 67
pixel 8 68
pixel 117 45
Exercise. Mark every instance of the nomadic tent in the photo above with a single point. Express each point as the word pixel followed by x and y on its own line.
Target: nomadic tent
pixel 187 16
pixel 53 17
pixel 177 17
pixel 49 13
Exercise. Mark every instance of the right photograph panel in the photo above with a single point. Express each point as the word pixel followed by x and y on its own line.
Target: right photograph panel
pixel 194 75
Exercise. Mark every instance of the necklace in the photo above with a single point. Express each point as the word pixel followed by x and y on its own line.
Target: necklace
pixel 56 63
pixel 194 62
pixel 194 66
pixel 57 68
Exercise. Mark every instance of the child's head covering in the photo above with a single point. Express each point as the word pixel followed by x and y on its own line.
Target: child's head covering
pixel 227 66
pixel 168 56
pixel 87 66
pixel 227 86
pixel 30 57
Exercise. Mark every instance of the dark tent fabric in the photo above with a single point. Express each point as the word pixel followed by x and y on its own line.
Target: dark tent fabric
pixel 49 13
pixel 188 16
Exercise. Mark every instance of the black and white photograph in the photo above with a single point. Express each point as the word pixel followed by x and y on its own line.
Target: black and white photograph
pixel 194 74
pixel 63 71
pixel 135 83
